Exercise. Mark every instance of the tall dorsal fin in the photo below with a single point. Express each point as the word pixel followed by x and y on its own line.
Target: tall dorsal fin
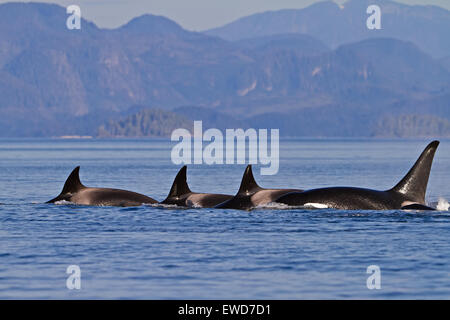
pixel 248 183
pixel 73 183
pixel 179 185
pixel 414 184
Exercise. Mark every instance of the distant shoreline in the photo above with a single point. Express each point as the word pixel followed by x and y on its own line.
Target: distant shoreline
pixel 75 137
pixel 285 138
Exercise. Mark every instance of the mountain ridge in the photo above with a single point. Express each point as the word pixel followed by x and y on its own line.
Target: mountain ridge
pixel 335 26
pixel 59 82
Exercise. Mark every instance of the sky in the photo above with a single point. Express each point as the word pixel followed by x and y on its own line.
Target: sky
pixel 196 15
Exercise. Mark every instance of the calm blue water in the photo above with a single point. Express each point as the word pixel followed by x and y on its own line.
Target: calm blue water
pixel 158 253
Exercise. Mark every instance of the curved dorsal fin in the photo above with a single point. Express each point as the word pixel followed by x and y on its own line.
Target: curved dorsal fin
pixel 248 183
pixel 414 184
pixel 179 185
pixel 73 183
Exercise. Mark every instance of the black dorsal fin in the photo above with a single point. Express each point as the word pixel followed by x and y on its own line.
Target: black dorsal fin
pixel 414 184
pixel 73 183
pixel 248 183
pixel 179 185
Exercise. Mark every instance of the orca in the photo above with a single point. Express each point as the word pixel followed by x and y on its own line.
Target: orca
pixel 75 192
pixel 250 194
pixel 408 194
pixel 182 196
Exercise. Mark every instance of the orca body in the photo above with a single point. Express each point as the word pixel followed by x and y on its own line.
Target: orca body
pixel 75 192
pixel 251 195
pixel 408 194
pixel 182 196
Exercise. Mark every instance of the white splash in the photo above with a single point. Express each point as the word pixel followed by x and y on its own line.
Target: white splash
pixel 162 205
pixel 272 205
pixel 63 202
pixel 194 205
pixel 442 205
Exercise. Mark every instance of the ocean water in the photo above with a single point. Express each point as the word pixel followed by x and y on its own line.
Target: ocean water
pixel 174 253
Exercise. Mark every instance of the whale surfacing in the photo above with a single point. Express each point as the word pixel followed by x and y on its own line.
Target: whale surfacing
pixel 251 195
pixel 408 194
pixel 182 196
pixel 75 192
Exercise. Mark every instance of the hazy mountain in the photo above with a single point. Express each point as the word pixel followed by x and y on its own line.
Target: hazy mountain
pixel 211 118
pixel 156 25
pixel 326 121
pixel 52 74
pixel 426 26
pixel 446 62
pixel 303 44
pixel 371 74
pixel 55 81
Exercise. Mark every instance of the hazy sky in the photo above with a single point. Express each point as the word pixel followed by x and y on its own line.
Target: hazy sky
pixel 191 14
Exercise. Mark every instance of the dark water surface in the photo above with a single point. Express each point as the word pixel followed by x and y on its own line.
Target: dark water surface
pixel 156 253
